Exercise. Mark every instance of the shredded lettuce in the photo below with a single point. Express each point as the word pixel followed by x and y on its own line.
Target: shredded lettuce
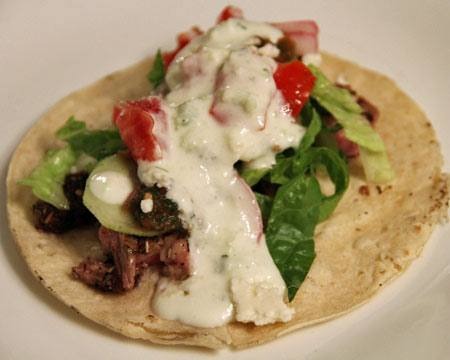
pixel 84 148
pixel 157 73
pixel 96 143
pixel 47 179
pixel 341 104
pixel 376 165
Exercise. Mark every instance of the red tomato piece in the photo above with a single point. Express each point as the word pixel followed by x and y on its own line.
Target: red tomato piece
pixel 299 26
pixel 183 39
pixel 305 43
pixel 136 123
pixel 186 37
pixel 230 12
pixel 304 33
pixel 295 82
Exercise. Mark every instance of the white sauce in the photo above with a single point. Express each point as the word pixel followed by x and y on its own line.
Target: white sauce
pixel 312 58
pixel 111 187
pixel 146 205
pixel 342 80
pixel 233 276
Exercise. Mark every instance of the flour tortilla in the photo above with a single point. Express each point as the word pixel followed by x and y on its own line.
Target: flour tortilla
pixel 369 240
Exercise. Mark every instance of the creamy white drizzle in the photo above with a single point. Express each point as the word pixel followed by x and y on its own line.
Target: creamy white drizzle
pixel 146 205
pixel 111 187
pixel 312 58
pixel 233 276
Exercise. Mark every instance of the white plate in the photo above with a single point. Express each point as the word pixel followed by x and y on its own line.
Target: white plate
pixel 50 48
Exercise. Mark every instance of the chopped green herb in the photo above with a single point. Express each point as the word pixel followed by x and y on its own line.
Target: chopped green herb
pixel 157 73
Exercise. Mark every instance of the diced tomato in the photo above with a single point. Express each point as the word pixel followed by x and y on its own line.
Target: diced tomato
pixel 186 37
pixel 230 12
pixel 304 33
pixel 295 82
pixel 305 43
pixel 136 123
pixel 299 26
pixel 168 57
pixel 183 39
pixel 247 202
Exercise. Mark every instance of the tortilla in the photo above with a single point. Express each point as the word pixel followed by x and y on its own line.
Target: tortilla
pixel 372 237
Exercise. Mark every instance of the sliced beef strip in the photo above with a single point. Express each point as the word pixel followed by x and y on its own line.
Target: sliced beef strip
pixel 175 257
pixel 48 218
pixel 122 248
pixel 101 275
pixel 128 256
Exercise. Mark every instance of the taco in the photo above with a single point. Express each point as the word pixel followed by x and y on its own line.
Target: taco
pixel 338 205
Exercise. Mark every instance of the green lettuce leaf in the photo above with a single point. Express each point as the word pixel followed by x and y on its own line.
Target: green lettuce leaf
pixel 265 204
pixel 312 118
pixel 282 171
pixel 252 176
pixel 290 229
pixel 299 204
pixel 341 104
pixel 157 73
pixel 376 165
pixel 337 170
pixel 47 178
pixel 96 143
pixel 84 148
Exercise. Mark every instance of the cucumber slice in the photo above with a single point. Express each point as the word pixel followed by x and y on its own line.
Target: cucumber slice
pixel 114 216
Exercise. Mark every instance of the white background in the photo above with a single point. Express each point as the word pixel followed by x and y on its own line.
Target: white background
pixel 50 48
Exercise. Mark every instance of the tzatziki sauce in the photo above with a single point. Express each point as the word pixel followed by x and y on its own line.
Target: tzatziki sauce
pixel 111 187
pixel 222 106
